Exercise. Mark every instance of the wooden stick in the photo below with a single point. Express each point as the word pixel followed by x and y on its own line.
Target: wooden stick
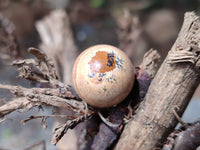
pixel 173 86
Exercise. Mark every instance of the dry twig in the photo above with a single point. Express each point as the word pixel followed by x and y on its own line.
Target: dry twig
pixel 60 95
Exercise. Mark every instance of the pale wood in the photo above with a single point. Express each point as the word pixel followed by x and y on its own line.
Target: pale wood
pixel 58 42
pixel 172 88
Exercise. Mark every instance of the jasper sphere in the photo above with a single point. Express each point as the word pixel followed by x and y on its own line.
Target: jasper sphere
pixel 103 76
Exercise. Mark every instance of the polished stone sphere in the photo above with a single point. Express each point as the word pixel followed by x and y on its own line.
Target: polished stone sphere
pixel 103 76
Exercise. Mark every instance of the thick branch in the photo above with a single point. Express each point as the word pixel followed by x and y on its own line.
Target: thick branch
pixel 173 85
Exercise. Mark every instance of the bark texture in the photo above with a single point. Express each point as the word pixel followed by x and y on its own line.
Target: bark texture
pixel 172 88
pixel 58 42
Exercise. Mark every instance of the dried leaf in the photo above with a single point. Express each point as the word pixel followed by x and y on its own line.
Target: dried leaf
pixel 60 131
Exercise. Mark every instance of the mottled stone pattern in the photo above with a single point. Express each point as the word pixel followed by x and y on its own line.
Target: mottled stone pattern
pixel 102 62
pixel 103 75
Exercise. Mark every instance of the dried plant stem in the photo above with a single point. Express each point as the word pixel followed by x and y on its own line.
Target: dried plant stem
pixel 36 96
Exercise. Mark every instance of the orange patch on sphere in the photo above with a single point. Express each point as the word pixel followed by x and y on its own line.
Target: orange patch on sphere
pixel 102 62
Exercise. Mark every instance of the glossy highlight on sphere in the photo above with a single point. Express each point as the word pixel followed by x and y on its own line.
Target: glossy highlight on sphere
pixel 103 76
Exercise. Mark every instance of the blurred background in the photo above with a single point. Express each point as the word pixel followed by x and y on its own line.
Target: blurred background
pixel 133 25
